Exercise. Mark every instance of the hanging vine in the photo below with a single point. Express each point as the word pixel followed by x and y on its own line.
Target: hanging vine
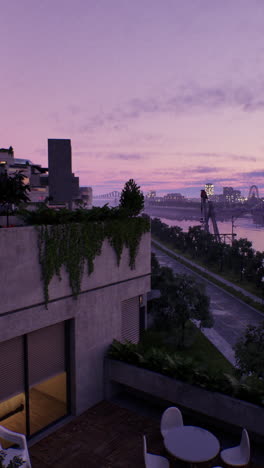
pixel 73 245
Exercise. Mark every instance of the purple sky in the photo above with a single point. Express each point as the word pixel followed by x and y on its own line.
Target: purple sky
pixel 168 92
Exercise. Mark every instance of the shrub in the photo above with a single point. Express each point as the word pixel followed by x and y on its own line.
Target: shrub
pixel 249 351
pixel 186 369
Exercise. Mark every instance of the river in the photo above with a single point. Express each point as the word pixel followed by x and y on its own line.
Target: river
pixel 243 227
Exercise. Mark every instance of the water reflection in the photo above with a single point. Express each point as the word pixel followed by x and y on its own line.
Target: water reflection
pixel 243 227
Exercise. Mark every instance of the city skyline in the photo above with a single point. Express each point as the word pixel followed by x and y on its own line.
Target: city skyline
pixel 167 93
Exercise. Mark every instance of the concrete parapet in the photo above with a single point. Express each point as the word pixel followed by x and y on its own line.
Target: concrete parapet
pixel 218 406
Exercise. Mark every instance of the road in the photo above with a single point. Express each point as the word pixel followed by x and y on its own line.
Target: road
pixel 231 316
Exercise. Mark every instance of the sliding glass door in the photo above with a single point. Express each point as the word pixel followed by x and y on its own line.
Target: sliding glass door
pixel 12 386
pixel 33 379
pixel 46 376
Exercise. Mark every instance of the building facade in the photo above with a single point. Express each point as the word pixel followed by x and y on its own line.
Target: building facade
pixel 231 195
pixel 61 181
pixel 52 359
pixel 209 188
pixel 34 175
pixel 86 195
pixel 56 185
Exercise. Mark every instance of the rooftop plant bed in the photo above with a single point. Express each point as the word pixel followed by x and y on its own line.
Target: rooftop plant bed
pixel 173 365
pixel 197 347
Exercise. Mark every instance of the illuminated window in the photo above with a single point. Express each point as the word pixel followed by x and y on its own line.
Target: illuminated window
pixel 33 380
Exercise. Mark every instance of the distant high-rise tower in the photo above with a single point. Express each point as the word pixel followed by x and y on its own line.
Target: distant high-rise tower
pixel 209 188
pixel 60 171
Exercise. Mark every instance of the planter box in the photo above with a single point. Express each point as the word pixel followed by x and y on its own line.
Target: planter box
pixel 213 404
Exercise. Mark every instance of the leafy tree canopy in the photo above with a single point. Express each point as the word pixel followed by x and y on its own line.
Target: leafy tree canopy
pixel 12 188
pixel 13 191
pixel 249 351
pixel 182 299
pixel 132 199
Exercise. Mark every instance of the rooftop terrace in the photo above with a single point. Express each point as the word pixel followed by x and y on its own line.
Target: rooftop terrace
pixel 109 435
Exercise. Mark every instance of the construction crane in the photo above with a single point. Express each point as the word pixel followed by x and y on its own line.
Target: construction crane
pixel 207 213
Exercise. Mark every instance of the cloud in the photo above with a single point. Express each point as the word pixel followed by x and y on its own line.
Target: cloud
pixel 86 171
pixel 187 171
pixel 254 174
pixel 237 157
pixel 209 98
pixel 186 99
pixel 81 153
pixel 206 170
pixel 126 157
pixel 119 182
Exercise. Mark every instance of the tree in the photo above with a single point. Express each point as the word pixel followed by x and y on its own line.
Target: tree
pixel 182 299
pixel 249 351
pixel 132 199
pixel 187 300
pixel 13 191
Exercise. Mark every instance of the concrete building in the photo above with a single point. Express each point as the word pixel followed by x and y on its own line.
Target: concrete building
pixel 62 185
pixel 231 195
pixel 209 188
pixel 174 196
pixel 151 194
pixel 52 360
pixel 57 181
pixel 86 195
pixel 35 175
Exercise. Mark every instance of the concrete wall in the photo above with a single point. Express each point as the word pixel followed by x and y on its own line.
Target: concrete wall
pixel 14 220
pixel 213 404
pixel 95 314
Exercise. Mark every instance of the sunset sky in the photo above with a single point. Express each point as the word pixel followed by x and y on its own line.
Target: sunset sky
pixel 168 92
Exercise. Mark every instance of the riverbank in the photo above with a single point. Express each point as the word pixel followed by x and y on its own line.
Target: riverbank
pixel 231 314
pixel 237 291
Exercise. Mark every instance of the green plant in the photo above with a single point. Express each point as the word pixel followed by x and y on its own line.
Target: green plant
pixel 76 244
pixel 132 199
pixel 16 461
pixel 182 298
pixel 249 351
pixel 237 262
pixel 188 370
pixel 207 275
pixel 13 191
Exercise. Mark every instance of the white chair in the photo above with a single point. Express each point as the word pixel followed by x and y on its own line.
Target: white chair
pixel 154 461
pixel 239 455
pixel 171 418
pixel 21 451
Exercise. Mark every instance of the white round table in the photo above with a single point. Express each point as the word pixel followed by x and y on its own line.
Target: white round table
pixel 191 444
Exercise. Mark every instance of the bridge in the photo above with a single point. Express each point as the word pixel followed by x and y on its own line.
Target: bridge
pixel 109 196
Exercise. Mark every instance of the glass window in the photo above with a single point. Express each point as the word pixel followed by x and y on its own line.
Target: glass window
pixel 47 402
pixel 13 415
pixel 33 380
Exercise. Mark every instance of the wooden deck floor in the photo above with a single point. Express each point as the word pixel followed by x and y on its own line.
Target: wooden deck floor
pixel 105 436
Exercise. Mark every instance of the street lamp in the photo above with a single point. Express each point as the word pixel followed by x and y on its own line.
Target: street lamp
pixel 242 269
